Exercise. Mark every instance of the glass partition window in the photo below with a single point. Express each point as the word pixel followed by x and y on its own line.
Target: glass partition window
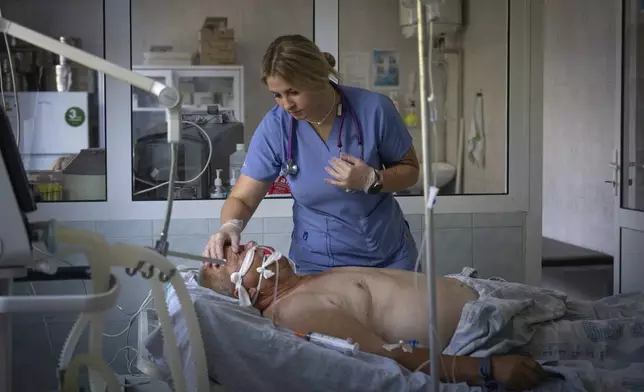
pixel 55 105
pixel 632 179
pixel 211 51
pixel 211 113
pixel 469 72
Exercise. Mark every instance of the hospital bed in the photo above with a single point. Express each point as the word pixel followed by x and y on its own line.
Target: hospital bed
pixel 248 352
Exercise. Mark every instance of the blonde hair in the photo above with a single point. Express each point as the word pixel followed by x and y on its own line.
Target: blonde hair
pixel 299 61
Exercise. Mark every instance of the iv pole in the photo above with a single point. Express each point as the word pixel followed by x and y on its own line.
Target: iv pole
pixel 434 347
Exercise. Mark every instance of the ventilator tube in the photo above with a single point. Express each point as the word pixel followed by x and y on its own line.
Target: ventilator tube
pixel 343 346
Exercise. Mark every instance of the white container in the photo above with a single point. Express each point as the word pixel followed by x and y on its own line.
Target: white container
pixel 236 161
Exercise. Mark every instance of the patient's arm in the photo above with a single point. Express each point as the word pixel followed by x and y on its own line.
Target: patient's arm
pixel 311 313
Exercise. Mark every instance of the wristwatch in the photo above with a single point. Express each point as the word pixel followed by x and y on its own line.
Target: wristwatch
pixel 376 187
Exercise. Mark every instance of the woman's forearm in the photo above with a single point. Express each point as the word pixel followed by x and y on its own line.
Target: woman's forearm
pixel 235 208
pixel 399 177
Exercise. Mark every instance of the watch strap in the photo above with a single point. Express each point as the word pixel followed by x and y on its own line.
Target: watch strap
pixel 485 369
pixel 376 183
pixel 485 372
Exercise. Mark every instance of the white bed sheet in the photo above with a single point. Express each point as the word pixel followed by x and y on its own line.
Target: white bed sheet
pixel 246 352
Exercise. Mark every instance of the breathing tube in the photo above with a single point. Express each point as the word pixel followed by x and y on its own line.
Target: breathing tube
pixel 97 251
pixel 128 256
pixel 101 256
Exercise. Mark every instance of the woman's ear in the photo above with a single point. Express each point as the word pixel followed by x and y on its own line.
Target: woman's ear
pixel 252 292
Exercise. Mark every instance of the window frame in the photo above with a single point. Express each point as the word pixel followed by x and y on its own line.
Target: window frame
pixel 523 109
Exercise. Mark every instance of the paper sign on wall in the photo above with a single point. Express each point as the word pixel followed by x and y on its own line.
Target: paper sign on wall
pixel 355 69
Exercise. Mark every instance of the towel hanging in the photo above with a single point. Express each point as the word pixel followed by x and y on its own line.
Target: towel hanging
pixel 476 134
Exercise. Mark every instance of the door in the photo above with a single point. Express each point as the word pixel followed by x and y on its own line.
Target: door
pixel 629 162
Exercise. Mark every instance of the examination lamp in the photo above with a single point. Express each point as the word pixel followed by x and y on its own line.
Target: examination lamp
pixel 168 96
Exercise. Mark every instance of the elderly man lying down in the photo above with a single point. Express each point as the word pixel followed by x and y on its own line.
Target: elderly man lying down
pixel 476 317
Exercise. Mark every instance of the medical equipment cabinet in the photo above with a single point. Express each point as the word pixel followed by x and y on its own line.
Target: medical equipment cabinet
pixel 201 88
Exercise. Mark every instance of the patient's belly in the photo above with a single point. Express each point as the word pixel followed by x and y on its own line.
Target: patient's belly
pixel 389 302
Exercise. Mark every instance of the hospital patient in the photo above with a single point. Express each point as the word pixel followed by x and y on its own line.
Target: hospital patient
pixel 373 306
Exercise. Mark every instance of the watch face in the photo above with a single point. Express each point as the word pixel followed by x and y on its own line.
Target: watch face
pixel 376 188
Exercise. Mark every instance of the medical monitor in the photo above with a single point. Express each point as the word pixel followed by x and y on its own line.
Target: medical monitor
pixel 16 202
pixel 14 167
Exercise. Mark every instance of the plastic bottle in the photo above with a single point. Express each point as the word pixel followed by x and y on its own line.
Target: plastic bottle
pixel 411 117
pixel 218 192
pixel 233 180
pixel 236 161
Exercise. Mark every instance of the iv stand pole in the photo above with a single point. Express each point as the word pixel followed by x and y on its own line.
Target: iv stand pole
pixel 434 347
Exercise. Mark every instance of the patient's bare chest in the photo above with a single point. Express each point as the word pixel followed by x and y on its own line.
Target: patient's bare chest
pixel 351 294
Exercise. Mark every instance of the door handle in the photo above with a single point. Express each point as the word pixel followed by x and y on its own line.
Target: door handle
pixel 615 165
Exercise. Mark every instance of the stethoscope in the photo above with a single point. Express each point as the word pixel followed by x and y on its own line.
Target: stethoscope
pixel 290 168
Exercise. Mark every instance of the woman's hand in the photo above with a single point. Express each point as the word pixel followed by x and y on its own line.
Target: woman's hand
pixel 350 173
pixel 229 232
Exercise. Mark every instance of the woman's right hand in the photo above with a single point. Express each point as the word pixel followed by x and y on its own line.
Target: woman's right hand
pixel 229 232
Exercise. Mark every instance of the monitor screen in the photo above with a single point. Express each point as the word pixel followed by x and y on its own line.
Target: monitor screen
pixel 13 162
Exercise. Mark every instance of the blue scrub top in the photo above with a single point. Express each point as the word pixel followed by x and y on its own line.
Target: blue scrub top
pixel 333 228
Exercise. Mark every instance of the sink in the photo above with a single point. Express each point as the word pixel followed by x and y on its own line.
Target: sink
pixel 443 173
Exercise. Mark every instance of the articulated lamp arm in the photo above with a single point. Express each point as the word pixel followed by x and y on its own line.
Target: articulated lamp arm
pixel 168 96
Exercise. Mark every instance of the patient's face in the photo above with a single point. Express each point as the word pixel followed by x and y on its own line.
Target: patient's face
pixel 217 276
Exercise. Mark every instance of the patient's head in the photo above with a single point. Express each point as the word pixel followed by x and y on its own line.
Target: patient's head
pixel 217 276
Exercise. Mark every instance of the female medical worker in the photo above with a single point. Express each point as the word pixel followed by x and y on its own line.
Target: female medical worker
pixel 344 150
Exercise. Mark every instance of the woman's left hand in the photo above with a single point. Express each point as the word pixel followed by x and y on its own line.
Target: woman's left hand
pixel 349 173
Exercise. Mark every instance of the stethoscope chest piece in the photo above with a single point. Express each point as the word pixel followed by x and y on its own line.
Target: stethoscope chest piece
pixel 290 169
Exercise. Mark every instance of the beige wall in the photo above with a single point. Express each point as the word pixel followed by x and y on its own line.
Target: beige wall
pixel 484 44
pixel 485 48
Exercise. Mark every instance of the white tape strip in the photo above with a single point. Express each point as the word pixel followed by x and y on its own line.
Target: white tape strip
pixel 431 200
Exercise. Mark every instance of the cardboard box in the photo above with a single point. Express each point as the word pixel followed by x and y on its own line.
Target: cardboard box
pixel 216 42
pixel 215 23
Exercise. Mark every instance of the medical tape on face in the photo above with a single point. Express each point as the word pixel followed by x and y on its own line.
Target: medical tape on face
pixel 270 257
